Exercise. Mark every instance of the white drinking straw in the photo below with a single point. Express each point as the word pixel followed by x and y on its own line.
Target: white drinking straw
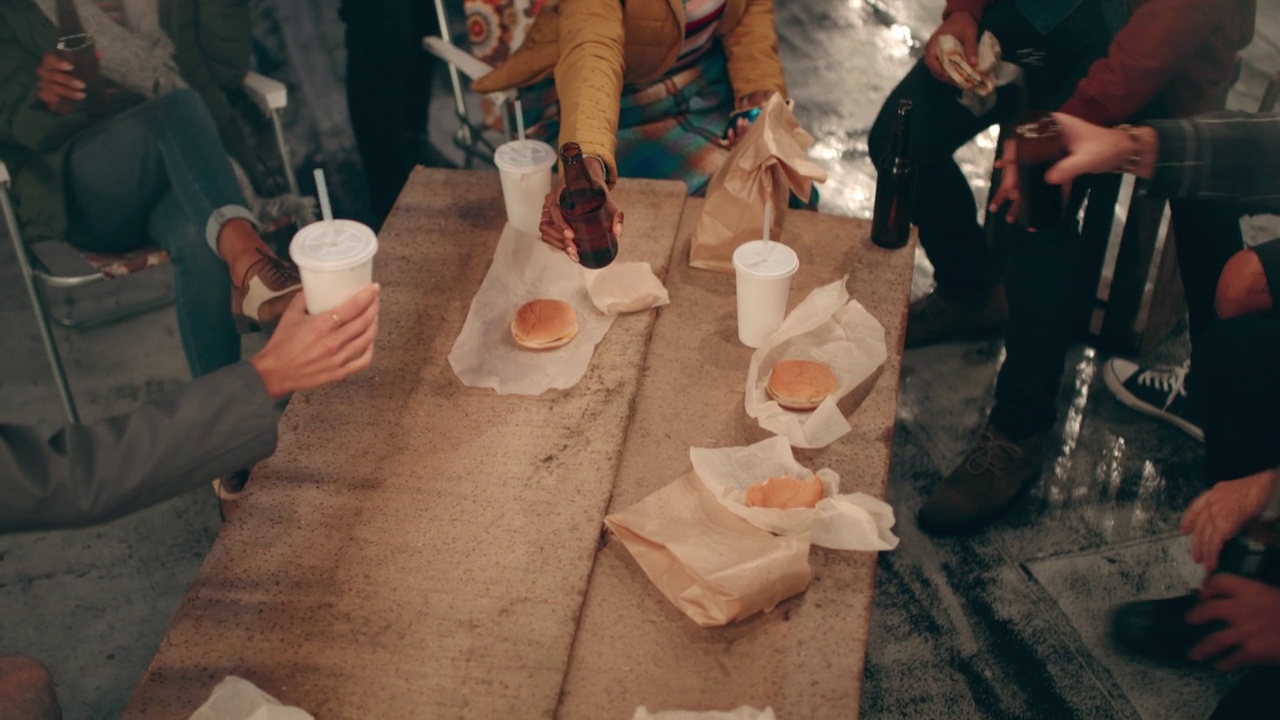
pixel 322 190
pixel 519 119
pixel 768 218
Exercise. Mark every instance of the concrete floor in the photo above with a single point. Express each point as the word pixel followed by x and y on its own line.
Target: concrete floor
pixel 1005 624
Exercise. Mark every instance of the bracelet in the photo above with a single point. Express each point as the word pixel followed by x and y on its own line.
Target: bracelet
pixel 603 164
pixel 1134 159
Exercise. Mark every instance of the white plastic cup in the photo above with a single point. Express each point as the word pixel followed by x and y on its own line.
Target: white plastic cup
pixel 763 270
pixel 525 168
pixel 335 260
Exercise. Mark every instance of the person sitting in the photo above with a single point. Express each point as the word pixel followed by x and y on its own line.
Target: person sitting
pixel 647 88
pixel 86 474
pixel 1232 619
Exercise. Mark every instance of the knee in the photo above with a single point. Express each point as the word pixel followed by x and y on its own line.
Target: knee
pixel 1242 287
pixel 26 690
pixel 184 107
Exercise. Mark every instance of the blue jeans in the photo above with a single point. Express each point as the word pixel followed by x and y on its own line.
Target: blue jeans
pixel 158 172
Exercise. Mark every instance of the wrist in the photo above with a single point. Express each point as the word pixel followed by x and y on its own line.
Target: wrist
pixel 597 168
pixel 270 374
pixel 1139 156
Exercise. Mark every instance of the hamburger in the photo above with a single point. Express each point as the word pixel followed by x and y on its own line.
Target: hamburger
pixel 785 493
pixel 800 384
pixel 544 324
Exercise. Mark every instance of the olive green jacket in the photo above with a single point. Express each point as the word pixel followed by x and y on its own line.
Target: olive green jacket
pixel 212 42
pixel 594 46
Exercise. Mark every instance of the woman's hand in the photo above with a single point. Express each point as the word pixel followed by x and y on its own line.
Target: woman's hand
pixel 739 122
pixel 1090 149
pixel 56 87
pixel 556 232
pixel 307 351
pixel 1221 512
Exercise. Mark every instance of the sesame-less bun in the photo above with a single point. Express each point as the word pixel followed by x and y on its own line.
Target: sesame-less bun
pixel 800 384
pixel 544 324
pixel 785 493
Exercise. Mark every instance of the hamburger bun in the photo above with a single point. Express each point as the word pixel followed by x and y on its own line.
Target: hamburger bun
pixel 544 324
pixel 785 493
pixel 800 384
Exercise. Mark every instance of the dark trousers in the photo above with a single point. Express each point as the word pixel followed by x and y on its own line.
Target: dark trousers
pixel 1239 395
pixel 389 79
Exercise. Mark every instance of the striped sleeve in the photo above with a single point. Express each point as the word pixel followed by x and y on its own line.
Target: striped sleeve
pixel 1227 156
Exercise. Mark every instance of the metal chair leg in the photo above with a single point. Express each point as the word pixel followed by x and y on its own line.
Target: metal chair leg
pixel 38 305
pixel 283 147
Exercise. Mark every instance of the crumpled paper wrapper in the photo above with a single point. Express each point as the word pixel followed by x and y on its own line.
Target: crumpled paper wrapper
pixel 624 287
pixel 979 97
pixel 830 328
pixel 238 699
pixel 768 164
pixel 525 268
pixel 714 566
pixel 850 521
pixel 746 712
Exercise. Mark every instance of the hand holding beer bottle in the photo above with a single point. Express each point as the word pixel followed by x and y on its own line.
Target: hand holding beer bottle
pixel 582 184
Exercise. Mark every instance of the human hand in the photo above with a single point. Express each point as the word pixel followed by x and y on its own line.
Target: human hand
pixel 307 351
pixel 1090 149
pixel 741 119
pixel 1221 512
pixel 553 228
pixel 56 88
pixel 1008 191
pixel 1251 611
pixel 963 27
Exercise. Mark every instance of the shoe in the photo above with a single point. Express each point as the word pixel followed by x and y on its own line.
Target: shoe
pixel 1157 391
pixel 937 318
pixel 1157 629
pixel 265 290
pixel 989 479
pixel 231 487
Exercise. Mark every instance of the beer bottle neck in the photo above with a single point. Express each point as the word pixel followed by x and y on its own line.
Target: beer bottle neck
pixel 69 19
pixel 902 132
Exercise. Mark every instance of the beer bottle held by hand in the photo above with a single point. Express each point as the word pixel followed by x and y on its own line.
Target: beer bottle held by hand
pixel 77 47
pixel 1255 551
pixel 891 220
pixel 1038 146
pixel 582 201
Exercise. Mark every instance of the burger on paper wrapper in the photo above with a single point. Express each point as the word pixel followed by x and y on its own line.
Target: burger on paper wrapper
pixel 544 324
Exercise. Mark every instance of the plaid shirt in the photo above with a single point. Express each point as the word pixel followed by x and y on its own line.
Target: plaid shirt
pixel 1228 156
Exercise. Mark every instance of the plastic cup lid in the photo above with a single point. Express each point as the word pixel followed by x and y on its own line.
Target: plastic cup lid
pixel 524 156
pixel 333 245
pixel 772 259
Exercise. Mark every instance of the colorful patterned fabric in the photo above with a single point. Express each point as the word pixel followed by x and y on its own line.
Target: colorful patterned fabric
pixel 495 29
pixel 114 266
pixel 670 129
pixel 700 19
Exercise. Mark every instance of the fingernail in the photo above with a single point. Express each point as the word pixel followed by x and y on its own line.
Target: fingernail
pixel 377 287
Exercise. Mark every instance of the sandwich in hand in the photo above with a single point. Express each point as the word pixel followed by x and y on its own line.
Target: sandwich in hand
pixel 800 384
pixel 785 493
pixel 979 80
pixel 544 324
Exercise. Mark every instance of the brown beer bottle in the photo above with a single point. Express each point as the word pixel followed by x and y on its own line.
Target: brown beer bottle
pixel 1039 146
pixel 582 201
pixel 891 219
pixel 1255 552
pixel 77 47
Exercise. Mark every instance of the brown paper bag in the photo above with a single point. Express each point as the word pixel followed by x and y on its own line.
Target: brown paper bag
pixel 713 565
pixel 767 165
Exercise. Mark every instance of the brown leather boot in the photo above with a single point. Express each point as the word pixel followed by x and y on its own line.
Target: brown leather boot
pixel 989 479
pixel 937 318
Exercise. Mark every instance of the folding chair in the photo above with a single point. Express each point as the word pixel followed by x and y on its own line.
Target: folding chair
pixel 487 17
pixel 270 96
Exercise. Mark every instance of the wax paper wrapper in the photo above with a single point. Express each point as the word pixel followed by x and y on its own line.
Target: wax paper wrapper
pixel 768 164
pixel 238 699
pixel 977 91
pixel 746 712
pixel 849 521
pixel 525 268
pixel 830 328
pixel 624 287
pixel 714 566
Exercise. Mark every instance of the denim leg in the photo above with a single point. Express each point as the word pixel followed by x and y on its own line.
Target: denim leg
pixel 201 289
pixel 943 208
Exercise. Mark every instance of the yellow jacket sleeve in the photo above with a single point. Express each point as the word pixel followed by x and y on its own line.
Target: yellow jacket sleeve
pixel 752 49
pixel 589 76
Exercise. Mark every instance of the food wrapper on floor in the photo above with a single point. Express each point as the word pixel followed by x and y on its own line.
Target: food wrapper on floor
pixel 850 521
pixel 238 699
pixel 829 328
pixel 746 712
pixel 625 287
pixel 525 268
pixel 713 565
pixel 768 164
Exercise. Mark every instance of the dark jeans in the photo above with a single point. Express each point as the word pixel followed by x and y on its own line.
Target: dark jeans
pixel 1239 395
pixel 158 171
pixel 389 79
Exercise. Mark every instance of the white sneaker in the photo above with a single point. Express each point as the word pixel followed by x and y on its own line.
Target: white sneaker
pixel 1156 391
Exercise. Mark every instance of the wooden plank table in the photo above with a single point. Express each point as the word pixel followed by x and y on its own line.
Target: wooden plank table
pixel 417 548
pixel 421 549
pixel 805 659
